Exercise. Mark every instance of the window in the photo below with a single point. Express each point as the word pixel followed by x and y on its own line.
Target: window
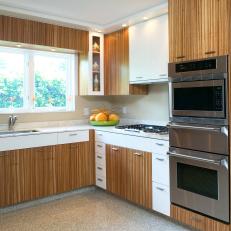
pixel 36 81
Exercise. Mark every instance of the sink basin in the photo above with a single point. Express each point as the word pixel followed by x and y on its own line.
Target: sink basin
pixel 17 132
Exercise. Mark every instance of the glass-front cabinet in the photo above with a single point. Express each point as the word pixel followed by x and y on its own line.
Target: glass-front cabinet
pixel 96 63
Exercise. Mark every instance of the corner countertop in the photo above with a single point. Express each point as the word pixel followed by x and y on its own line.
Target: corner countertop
pixel 85 126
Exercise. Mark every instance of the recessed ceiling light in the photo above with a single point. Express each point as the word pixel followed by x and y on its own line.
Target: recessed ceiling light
pixel 99 31
pixel 145 18
pixel 124 25
pixel 18 45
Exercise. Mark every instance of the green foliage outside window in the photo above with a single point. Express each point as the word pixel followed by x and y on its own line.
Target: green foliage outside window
pixel 47 92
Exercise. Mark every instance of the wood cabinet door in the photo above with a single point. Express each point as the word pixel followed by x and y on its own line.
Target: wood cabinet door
pixel 210 27
pixel 10 192
pixel 117 171
pixel 141 178
pixel 178 32
pixel 82 165
pixel 16 174
pixel 62 168
pixel 43 171
pixel 185 30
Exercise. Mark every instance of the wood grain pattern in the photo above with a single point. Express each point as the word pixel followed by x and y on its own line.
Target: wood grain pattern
pixel 198 29
pixel 62 162
pixel 29 174
pixel 129 175
pixel 197 221
pixel 82 163
pixel 38 33
pixel 116 65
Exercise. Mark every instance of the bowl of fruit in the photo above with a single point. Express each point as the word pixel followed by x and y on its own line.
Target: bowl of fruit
pixel 102 117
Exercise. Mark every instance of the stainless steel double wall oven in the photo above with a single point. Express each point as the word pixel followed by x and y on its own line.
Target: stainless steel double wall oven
pixel 199 152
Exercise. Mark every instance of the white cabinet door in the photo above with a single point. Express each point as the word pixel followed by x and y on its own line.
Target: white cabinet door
pixel 160 169
pixel 161 199
pixel 148 51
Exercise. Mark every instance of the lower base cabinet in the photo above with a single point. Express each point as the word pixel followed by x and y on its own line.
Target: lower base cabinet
pixel 161 198
pixel 33 173
pixel 197 221
pixel 129 174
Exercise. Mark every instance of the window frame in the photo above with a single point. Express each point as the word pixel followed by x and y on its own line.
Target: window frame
pixel 29 81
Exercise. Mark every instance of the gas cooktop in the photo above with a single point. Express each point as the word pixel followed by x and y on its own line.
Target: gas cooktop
pixel 144 128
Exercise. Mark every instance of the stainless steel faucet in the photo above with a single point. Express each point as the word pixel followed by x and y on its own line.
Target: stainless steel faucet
pixel 11 121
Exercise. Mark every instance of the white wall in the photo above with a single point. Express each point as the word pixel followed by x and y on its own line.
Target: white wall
pixel 154 106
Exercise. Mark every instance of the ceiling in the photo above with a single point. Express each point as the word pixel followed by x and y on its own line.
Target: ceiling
pixel 102 14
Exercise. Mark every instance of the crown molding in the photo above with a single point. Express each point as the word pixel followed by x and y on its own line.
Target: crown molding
pixel 15 11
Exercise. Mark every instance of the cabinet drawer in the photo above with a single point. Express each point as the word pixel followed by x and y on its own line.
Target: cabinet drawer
pixel 101 181
pixel 197 221
pixel 99 147
pixel 100 170
pixel 161 198
pixel 99 136
pixel 160 169
pixel 100 158
pixel 161 147
pixel 73 137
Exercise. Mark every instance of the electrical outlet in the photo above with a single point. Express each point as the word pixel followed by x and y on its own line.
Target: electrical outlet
pixel 124 110
pixel 86 111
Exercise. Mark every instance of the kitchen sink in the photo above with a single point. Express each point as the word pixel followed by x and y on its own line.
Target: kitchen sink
pixel 17 132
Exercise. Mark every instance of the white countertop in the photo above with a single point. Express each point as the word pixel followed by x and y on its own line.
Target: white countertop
pixel 57 129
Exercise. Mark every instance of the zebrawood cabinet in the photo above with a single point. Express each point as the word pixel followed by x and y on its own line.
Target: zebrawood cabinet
pixel 197 221
pixel 198 28
pixel 32 173
pixel 129 174
pixel 116 66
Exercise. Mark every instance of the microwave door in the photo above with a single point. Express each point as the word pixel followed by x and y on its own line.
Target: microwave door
pixel 199 99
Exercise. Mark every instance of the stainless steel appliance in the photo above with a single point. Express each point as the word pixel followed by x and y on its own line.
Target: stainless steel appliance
pixel 199 91
pixel 206 138
pixel 162 130
pixel 199 136
pixel 199 181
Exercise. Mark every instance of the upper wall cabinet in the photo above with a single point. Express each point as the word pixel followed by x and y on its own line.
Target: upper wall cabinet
pixel 96 64
pixel 116 68
pixel 198 29
pixel 148 51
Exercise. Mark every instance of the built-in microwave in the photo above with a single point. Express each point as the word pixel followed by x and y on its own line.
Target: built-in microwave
pixel 199 90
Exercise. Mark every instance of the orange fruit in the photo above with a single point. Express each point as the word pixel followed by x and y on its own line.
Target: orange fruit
pixel 114 117
pixel 101 117
pixel 92 117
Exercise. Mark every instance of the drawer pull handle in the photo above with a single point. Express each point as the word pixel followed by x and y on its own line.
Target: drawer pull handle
pixel 115 149
pixel 100 146
pixel 139 77
pixel 180 57
pixel 163 75
pixel 160 159
pixel 100 134
pixel 160 189
pixel 99 168
pixel 99 157
pixel 99 179
pixel 73 134
pixel 210 52
pixel 159 144
pixel 138 154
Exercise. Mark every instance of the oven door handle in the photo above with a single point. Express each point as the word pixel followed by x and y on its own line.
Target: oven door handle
pixel 222 130
pixel 222 162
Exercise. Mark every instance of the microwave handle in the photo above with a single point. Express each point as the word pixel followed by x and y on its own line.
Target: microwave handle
pixel 222 162
pixel 222 130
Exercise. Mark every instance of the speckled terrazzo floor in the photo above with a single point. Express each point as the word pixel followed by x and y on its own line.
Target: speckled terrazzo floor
pixel 93 210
